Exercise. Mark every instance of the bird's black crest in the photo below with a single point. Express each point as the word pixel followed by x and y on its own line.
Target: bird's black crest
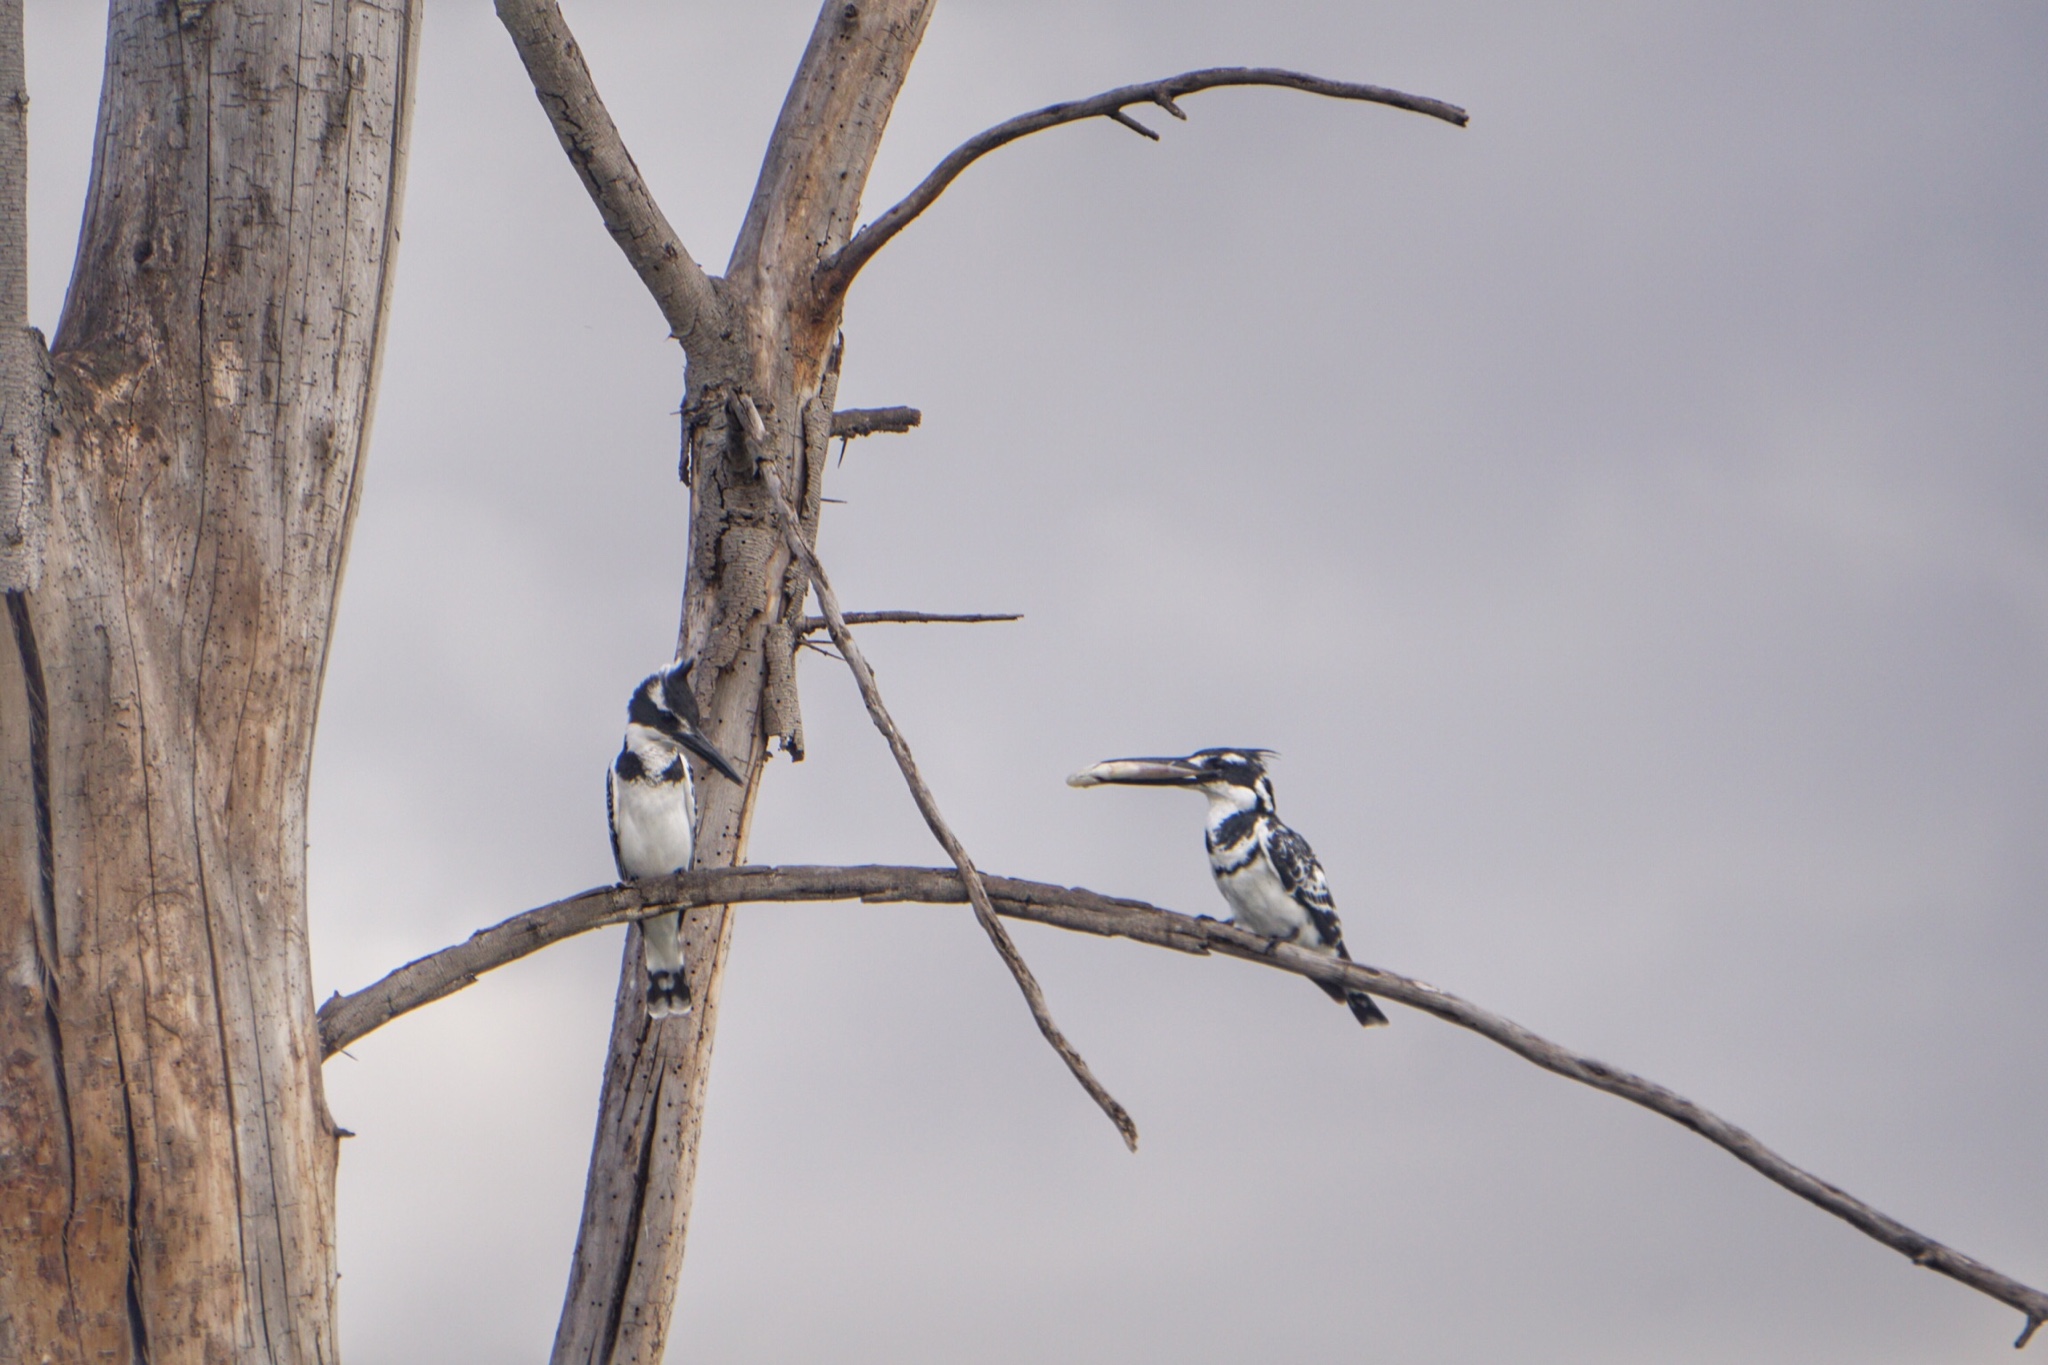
pixel 663 701
pixel 647 707
pixel 676 694
pixel 1241 767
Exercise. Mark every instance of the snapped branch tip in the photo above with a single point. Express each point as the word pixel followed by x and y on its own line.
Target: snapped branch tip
pixel 1127 121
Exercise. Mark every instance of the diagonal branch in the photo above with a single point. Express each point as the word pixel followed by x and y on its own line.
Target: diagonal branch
pixel 836 272
pixel 811 625
pixel 927 804
pixel 561 80
pixel 343 1019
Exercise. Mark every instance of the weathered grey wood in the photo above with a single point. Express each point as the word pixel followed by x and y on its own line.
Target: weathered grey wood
pixel 346 1018
pixel 872 421
pixel 772 341
pixel 24 369
pixel 214 370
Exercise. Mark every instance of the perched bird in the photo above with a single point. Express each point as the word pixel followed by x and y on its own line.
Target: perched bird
pixel 653 812
pixel 1265 870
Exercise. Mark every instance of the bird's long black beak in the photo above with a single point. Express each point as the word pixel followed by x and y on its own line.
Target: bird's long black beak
pixel 708 751
pixel 1139 772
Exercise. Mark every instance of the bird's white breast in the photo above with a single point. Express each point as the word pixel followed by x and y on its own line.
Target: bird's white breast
pixel 653 820
pixel 1261 902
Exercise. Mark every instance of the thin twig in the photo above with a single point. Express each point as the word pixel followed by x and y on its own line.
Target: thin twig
pixel 811 625
pixel 836 272
pixel 344 1019
pixel 561 80
pixel 850 422
pixel 927 804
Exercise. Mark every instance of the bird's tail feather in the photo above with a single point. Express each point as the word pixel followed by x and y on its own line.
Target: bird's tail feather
pixel 668 985
pixel 1363 1007
pixel 667 993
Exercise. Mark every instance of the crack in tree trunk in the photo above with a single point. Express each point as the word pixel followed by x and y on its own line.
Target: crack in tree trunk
pixel 209 397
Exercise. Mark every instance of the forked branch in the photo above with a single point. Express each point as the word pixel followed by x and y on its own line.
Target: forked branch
pixel 927 804
pixel 562 82
pixel 836 272
pixel 344 1019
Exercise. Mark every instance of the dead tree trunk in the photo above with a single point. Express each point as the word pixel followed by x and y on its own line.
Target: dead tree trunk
pixel 762 334
pixel 168 1191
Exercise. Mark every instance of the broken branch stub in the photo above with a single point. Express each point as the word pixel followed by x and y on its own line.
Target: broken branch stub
pixel 855 422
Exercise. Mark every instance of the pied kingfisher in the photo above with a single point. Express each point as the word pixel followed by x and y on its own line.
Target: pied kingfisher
pixel 652 808
pixel 1265 870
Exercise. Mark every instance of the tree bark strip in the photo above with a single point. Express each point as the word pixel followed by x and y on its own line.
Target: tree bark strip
pixel 214 370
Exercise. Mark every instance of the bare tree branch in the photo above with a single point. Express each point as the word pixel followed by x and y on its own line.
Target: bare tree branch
pixel 836 272
pixel 854 422
pixel 927 804
pixel 811 625
pixel 561 80
pixel 343 1019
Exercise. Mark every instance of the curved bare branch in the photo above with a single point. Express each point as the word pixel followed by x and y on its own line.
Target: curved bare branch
pixel 345 1018
pixel 561 81
pixel 836 272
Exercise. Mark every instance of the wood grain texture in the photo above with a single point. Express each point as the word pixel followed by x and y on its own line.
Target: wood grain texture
pixel 214 371
pixel 24 368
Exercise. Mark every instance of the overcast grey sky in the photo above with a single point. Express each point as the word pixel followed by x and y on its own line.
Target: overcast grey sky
pixel 1628 517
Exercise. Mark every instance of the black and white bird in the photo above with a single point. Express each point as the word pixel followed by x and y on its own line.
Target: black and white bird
pixel 1265 870
pixel 652 806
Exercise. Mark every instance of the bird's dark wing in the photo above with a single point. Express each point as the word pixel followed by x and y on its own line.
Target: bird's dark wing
pixel 611 822
pixel 1302 875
